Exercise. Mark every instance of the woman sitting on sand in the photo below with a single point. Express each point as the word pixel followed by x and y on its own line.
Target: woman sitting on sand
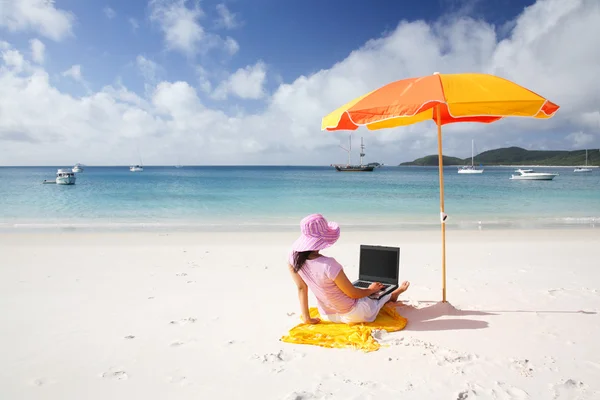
pixel 338 300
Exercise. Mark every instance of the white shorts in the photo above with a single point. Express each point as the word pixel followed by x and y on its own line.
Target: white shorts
pixel 365 310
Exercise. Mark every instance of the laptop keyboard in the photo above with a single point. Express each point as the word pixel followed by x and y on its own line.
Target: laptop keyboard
pixel 363 284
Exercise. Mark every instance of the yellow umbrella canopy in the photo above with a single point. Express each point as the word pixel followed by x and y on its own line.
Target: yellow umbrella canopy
pixel 445 99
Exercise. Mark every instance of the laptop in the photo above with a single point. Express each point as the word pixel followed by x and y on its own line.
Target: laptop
pixel 378 264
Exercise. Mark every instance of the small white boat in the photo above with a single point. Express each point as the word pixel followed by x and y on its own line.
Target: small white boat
pixel 583 169
pixel 471 169
pixel 77 168
pixel 137 167
pixel 530 175
pixel 65 177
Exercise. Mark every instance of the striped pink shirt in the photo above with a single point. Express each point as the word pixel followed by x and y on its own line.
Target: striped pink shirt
pixel 318 274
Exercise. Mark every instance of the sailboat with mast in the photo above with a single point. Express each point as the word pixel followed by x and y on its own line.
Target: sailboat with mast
pixel 137 167
pixel 470 169
pixel 354 168
pixel 584 169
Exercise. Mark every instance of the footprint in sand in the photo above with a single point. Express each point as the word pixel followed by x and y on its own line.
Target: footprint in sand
pixel 465 394
pixel 524 367
pixel 177 344
pixel 178 379
pixel 116 374
pixel 554 292
pixel 500 391
pixel 454 359
pixel 571 389
pixel 300 396
pixel 339 386
pixel 184 321
pixel 42 381
pixel 444 357
pixel 280 356
pixel 550 363
pixel 130 337
pixel 181 274
pixel 505 390
pixel 278 359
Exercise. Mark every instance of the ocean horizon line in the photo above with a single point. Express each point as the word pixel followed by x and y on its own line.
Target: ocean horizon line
pixel 292 166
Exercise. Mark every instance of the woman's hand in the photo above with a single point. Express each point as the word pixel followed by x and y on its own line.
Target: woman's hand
pixel 310 320
pixel 375 287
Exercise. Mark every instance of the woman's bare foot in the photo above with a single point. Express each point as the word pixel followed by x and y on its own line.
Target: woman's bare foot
pixel 401 289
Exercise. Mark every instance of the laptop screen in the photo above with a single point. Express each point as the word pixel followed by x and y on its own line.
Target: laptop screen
pixel 379 263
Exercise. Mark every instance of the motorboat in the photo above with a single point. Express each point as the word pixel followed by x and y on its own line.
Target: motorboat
pixel 65 177
pixel 136 168
pixel 77 168
pixel 530 175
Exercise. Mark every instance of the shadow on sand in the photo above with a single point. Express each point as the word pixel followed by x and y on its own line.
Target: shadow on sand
pixel 426 318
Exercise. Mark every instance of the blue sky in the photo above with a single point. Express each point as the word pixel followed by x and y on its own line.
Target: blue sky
pixel 293 38
pixel 235 77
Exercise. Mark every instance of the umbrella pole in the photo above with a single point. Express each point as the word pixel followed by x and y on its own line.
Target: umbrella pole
pixel 441 173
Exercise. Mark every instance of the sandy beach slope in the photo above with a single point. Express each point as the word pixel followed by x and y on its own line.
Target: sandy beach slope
pixel 199 315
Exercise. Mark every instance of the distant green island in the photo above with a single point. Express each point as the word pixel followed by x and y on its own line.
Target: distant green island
pixel 516 156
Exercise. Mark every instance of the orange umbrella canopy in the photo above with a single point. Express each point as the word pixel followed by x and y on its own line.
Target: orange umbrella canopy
pixel 461 97
pixel 444 98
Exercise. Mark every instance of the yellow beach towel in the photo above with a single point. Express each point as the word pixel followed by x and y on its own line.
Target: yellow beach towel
pixel 357 336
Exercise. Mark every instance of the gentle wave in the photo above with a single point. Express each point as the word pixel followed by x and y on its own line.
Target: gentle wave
pixel 285 226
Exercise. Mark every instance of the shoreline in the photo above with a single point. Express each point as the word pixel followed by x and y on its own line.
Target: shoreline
pixel 559 223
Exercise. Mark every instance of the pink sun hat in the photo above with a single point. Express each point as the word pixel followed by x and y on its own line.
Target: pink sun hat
pixel 316 234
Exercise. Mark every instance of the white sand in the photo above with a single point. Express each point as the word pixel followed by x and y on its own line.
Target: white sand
pixel 198 316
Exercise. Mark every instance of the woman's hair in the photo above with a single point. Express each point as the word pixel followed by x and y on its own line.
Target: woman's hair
pixel 300 258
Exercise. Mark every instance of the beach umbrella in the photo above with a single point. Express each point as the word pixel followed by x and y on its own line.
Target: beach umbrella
pixel 445 99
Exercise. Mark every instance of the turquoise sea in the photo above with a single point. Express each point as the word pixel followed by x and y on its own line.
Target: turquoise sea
pixel 270 198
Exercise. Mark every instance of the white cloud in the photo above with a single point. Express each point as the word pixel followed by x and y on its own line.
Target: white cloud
pixel 227 19
pixel 74 72
pixel 231 46
pixel 134 24
pixel 109 12
pixel 14 60
pixel 148 68
pixel 100 128
pixel 580 139
pixel 203 79
pixel 245 83
pixel 591 119
pixel 36 15
pixel 37 50
pixel 179 24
